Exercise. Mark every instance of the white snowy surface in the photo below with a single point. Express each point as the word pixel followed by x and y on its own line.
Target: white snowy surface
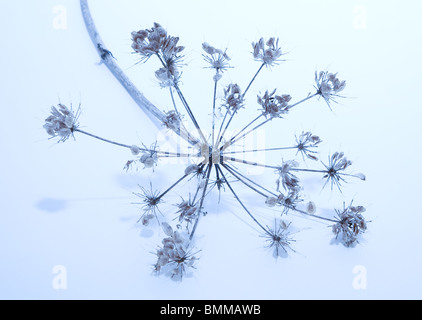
pixel 70 204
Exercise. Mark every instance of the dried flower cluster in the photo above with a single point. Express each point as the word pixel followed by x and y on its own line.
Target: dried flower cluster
pixel 328 85
pixel 279 238
pixel 274 105
pixel 174 256
pixel 212 160
pixel 351 224
pixel 62 122
pixel 268 52
pixel 218 60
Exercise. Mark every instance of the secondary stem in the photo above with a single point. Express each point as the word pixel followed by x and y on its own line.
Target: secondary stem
pixel 165 153
pixel 241 203
pixel 213 111
pixel 201 202
pixel 258 150
pixel 245 134
pixel 253 79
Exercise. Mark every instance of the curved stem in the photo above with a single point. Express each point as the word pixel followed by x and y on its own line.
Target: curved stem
pixel 109 61
pixel 155 115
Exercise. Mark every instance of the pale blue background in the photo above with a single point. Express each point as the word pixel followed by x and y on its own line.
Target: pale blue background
pixel 70 204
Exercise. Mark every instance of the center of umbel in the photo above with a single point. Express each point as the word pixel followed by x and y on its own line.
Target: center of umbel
pixel 211 156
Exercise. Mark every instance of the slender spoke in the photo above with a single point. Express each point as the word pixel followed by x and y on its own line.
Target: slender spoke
pixel 247 126
pixel 221 128
pixel 308 170
pixel 158 152
pixel 309 214
pixel 258 150
pixel 237 174
pixel 256 164
pixel 185 103
pixel 242 179
pixel 103 139
pixel 213 112
pixel 172 186
pixel 220 137
pixel 240 202
pixel 225 129
pixel 172 99
pixel 243 135
pixel 303 100
pixel 201 203
pixel 253 79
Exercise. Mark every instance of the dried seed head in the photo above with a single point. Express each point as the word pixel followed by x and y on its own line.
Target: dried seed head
pixel 174 256
pixel 150 200
pixel 305 144
pixel 172 120
pixel 156 41
pixel 62 122
pixel 337 163
pixel 288 180
pixel 351 224
pixel 328 86
pixel 187 211
pixel 269 53
pixel 148 160
pixel 279 238
pixel 217 59
pixel 149 157
pixel 274 106
pixel 167 76
pixel 233 98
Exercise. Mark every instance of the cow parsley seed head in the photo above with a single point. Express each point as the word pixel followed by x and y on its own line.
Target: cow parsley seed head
pixel 149 157
pixel 290 201
pixel 337 163
pixel 274 106
pixel 172 120
pixel 351 224
pixel 233 98
pixel 62 122
pixel 156 41
pixel 268 52
pixel 167 76
pixel 217 59
pixel 328 86
pixel 175 256
pixel 150 201
pixel 279 238
pixel 305 143
pixel 289 181
pixel 187 211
